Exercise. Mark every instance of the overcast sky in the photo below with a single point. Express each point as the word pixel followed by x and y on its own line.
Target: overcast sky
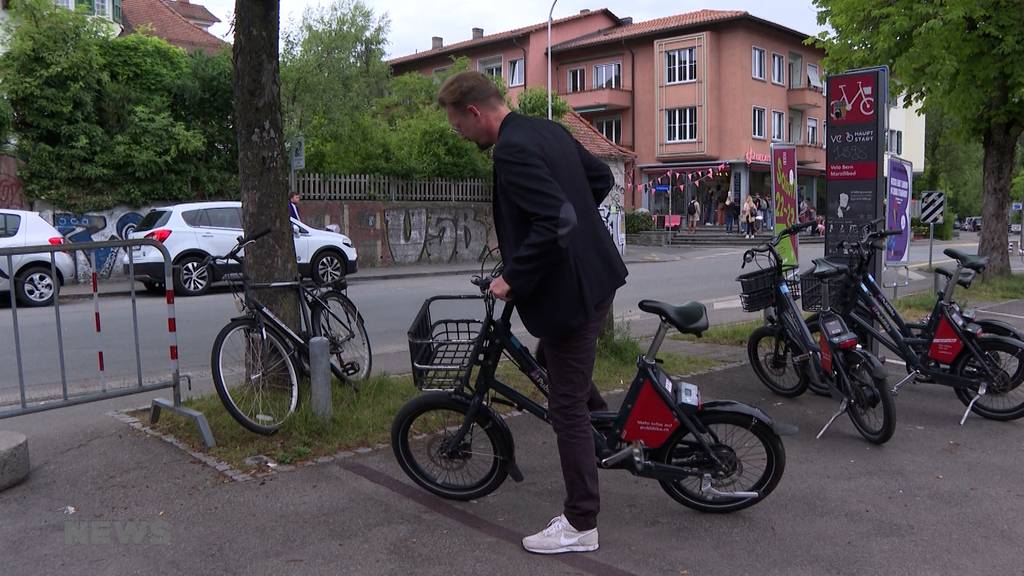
pixel 413 23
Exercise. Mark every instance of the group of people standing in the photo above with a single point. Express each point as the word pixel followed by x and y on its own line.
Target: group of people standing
pixel 746 219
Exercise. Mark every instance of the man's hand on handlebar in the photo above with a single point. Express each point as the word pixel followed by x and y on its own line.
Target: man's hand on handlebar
pixel 500 289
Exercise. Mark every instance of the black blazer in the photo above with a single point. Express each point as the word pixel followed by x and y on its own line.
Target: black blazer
pixel 560 261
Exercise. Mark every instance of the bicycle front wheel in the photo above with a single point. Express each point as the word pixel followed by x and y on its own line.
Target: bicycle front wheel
pixel 339 321
pixel 254 376
pixel 421 436
pixel 771 353
pixel 871 406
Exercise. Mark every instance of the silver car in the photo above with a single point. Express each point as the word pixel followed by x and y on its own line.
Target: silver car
pixel 34 284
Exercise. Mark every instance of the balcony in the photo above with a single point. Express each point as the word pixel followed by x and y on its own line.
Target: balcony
pixel 805 98
pixel 809 154
pixel 599 99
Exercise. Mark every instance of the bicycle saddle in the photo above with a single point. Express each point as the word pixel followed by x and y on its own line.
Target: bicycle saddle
pixel 965 279
pixel 823 268
pixel 970 261
pixel 689 318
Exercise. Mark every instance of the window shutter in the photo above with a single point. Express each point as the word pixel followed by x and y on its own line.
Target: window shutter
pixel 116 13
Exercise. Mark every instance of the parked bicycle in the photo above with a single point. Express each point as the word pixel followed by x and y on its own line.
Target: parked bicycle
pixel 787 358
pixel 982 360
pixel 258 360
pixel 713 456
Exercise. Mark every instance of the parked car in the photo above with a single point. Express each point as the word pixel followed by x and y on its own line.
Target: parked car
pixel 1015 228
pixel 191 232
pixel 34 283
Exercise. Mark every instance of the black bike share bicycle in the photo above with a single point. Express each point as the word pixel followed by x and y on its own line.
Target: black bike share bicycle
pixel 785 355
pixel 716 456
pixel 982 360
pixel 258 360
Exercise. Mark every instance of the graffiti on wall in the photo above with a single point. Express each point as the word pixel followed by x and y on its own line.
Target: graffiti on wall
pixel 96 227
pixel 11 190
pixel 436 235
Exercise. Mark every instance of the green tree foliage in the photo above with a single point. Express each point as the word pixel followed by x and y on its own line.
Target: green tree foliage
pixel 962 57
pixel 534 102
pixel 102 120
pixel 952 165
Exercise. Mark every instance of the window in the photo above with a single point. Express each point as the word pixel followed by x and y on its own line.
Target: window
pixel 99 7
pixel 758 118
pixel 222 218
pixel 681 65
pixel 812 131
pixel 153 219
pixel 576 80
pixel 9 224
pixel 610 127
pixel 778 69
pixel 778 126
pixel 607 76
pixel 896 141
pixel 490 66
pixel 441 70
pixel 757 63
pixel 681 124
pixel 64 4
pixel 195 218
pixel 813 79
pixel 515 72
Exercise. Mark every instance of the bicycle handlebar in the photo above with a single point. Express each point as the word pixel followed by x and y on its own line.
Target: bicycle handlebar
pixel 241 242
pixel 748 256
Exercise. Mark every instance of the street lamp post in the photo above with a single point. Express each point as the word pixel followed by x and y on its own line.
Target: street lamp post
pixel 550 12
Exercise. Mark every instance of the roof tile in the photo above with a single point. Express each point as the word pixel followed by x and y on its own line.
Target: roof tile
pixel 162 21
pixel 616 33
pixel 593 140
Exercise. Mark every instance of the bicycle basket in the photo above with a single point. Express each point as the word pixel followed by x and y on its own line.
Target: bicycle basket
pixel 821 294
pixel 757 288
pixel 442 352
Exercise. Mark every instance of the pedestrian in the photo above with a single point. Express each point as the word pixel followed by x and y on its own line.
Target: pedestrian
pixel 692 214
pixel 749 216
pixel 729 219
pixel 561 271
pixel 293 205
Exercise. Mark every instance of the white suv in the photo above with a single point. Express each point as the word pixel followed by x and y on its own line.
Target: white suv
pixel 191 232
pixel 34 284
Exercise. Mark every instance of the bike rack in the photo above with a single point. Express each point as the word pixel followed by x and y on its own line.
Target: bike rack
pixel 66 398
pixel 896 282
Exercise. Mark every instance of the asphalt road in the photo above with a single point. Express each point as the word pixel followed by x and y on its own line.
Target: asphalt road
pixel 388 306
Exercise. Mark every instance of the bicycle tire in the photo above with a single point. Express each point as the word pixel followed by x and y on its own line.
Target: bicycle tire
pixel 1008 390
pixel 342 324
pixel 260 406
pixel 771 367
pixel 444 415
pixel 869 395
pixel 725 426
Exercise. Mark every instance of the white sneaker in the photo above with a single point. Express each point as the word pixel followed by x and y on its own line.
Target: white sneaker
pixel 560 537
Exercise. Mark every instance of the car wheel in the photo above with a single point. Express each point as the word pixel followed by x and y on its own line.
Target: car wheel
pixel 328 267
pixel 35 286
pixel 191 278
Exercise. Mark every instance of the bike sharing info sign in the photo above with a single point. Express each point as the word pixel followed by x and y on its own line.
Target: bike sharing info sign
pixel 784 194
pixel 856 128
pixel 897 211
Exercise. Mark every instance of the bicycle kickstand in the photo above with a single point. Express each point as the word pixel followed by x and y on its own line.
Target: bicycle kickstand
pixel 842 410
pixel 981 392
pixel 899 385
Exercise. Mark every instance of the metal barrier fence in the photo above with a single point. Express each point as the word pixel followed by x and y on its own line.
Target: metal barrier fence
pixel 173 381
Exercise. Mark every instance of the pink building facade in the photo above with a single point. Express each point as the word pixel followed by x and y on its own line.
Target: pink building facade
pixel 698 97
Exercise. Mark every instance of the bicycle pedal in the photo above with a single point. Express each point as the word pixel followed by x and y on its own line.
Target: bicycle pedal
pixel 350 369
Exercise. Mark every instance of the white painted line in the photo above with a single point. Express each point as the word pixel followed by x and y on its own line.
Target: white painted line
pixel 734 303
pixel 914 276
pixel 718 255
pixel 1016 316
pixel 891 361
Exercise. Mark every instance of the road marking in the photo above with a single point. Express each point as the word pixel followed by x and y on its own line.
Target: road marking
pixel 891 361
pixel 733 303
pixel 718 255
pixel 1016 316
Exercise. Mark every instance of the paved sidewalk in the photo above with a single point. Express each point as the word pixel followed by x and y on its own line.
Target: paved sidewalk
pixel 932 501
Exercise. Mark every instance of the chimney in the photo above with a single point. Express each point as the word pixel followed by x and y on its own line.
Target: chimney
pixel 585 11
pixel 436 42
pixel 626 21
pixel 478 33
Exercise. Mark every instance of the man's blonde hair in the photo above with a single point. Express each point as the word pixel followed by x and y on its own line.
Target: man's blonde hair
pixel 468 88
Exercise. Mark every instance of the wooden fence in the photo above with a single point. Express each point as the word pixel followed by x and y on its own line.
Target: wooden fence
pixel 386 188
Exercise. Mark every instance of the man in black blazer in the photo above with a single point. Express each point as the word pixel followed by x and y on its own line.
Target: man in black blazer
pixel 561 269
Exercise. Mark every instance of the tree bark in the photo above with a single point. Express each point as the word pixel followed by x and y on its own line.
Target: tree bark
pixel 1000 144
pixel 262 162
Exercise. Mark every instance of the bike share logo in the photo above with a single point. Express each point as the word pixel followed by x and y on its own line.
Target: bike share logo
pixel 852 99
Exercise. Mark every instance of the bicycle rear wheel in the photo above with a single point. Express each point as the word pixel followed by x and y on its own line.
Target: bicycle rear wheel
pixel 341 324
pixel 254 376
pixel 871 406
pixel 1004 398
pixel 420 436
pixel 752 453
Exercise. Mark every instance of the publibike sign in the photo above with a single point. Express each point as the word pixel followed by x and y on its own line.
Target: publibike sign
pixel 856 127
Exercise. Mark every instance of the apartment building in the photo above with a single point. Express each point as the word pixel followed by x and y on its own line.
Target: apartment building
pixel 698 97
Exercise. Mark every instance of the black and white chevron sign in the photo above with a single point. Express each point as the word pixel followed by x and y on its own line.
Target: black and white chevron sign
pixel 932 205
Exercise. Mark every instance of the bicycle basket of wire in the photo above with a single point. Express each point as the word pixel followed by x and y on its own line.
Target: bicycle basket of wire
pixel 821 294
pixel 443 351
pixel 757 288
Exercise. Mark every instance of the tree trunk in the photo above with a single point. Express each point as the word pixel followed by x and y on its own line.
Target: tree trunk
pixel 1000 143
pixel 262 162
